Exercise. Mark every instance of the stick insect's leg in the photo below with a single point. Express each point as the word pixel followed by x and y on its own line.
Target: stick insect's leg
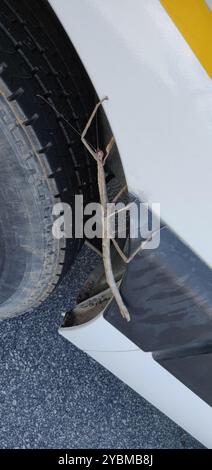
pixel 125 208
pixel 120 252
pixel 109 148
pixel 115 199
pixel 112 214
pixel 122 190
pixel 84 141
pixel 141 247
pixel 125 258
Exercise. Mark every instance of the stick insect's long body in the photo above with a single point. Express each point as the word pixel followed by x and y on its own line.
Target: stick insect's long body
pixel 106 240
pixel 101 158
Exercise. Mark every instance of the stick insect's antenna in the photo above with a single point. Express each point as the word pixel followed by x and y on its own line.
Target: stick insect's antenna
pixel 62 117
pixel 97 132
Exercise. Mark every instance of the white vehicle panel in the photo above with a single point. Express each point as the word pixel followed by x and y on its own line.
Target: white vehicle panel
pixel 138 369
pixel 160 106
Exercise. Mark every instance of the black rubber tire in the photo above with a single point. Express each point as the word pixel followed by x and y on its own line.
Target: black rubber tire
pixel 41 160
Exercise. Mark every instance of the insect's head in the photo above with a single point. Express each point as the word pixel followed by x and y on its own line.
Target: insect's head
pixel 100 155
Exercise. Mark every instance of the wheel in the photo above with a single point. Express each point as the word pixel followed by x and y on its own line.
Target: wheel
pixel 42 161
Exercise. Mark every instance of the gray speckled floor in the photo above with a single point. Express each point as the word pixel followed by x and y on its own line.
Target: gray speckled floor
pixel 54 396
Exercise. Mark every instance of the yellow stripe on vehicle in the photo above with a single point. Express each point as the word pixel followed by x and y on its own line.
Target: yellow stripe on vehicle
pixel 193 18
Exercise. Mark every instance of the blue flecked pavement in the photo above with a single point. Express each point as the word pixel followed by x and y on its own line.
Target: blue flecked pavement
pixel 54 396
